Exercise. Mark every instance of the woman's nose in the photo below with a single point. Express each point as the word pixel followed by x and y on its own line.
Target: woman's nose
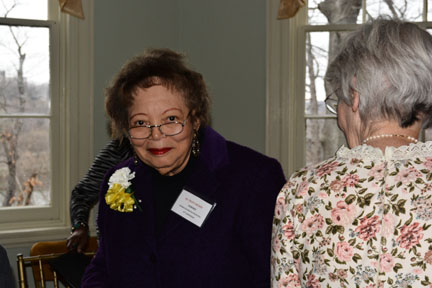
pixel 156 133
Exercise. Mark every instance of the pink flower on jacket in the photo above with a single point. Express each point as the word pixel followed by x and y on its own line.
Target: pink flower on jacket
pixel 410 235
pixel 343 213
pixel 350 180
pixel 387 225
pixel 312 281
pixel 377 171
pixel 428 163
pixel 428 257
pixel 336 185
pixel 341 273
pixel 344 251
pixel 288 230
pixel 279 211
pixel 276 244
pixel 407 175
pixel 291 281
pixel 326 168
pixel 368 228
pixel 303 188
pixel 312 224
pixel 386 262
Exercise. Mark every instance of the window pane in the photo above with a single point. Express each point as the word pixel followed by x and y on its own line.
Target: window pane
pixel 334 12
pixel 408 10
pixel 317 45
pixel 320 47
pixel 429 12
pixel 323 138
pixel 25 170
pixel 24 70
pixel 27 9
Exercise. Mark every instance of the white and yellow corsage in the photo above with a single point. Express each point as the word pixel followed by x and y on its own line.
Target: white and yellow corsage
pixel 120 196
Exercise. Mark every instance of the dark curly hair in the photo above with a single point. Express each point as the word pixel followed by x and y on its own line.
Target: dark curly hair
pixel 155 67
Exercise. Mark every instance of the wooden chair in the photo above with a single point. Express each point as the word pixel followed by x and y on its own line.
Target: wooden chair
pixel 40 254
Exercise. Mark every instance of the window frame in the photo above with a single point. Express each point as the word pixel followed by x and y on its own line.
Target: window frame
pixel 286 63
pixel 71 127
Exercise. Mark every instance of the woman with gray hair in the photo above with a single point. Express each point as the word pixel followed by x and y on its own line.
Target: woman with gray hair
pixel 362 218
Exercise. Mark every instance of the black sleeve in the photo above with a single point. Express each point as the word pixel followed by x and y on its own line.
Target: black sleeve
pixel 6 276
pixel 85 194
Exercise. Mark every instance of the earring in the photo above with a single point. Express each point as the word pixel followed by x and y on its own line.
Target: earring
pixel 135 159
pixel 195 145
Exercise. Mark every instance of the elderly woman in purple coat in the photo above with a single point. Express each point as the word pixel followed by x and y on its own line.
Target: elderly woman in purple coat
pixel 190 209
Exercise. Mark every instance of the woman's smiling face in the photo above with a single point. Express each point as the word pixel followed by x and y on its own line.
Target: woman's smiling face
pixel 158 105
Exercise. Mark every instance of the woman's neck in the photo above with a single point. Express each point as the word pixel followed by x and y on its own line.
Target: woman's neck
pixel 388 133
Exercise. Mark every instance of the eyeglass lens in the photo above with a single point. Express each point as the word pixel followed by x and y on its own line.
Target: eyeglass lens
pixel 167 129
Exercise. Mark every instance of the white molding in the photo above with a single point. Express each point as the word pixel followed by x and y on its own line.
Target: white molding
pixel 285 105
pixel 79 93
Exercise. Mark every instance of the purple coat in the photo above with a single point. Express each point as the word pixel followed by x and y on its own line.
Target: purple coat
pixel 231 249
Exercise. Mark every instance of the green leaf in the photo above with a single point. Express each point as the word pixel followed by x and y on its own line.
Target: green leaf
pixel 356 257
pixel 408 222
pixel 330 252
pixel 334 229
pixel 361 191
pixel 397 267
pixel 368 198
pixel 350 199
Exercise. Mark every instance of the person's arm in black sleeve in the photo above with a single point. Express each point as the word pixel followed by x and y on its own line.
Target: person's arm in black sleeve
pixel 85 194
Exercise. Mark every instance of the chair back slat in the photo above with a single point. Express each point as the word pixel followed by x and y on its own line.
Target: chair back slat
pixel 41 273
pixel 40 253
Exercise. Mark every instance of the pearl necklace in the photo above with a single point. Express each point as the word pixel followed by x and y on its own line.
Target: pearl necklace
pixel 412 139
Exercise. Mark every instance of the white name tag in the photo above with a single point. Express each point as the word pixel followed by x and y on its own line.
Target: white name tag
pixel 192 208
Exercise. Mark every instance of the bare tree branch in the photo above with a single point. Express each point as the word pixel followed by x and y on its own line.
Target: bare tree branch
pixel 8 10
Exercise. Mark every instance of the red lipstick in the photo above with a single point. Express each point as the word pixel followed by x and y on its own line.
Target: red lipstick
pixel 162 151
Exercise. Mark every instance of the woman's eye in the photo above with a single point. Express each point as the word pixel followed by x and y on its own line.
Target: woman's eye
pixel 172 118
pixel 139 123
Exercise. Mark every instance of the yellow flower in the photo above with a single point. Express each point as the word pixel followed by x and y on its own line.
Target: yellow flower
pixel 118 199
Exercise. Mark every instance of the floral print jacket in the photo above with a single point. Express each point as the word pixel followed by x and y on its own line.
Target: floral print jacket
pixel 360 219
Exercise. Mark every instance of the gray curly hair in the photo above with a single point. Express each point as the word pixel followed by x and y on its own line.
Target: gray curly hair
pixel 391 62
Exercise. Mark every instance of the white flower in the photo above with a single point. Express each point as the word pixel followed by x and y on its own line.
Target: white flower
pixel 122 177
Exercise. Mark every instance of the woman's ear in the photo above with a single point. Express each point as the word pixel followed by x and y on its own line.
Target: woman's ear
pixel 196 124
pixel 196 121
pixel 355 101
pixel 355 96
